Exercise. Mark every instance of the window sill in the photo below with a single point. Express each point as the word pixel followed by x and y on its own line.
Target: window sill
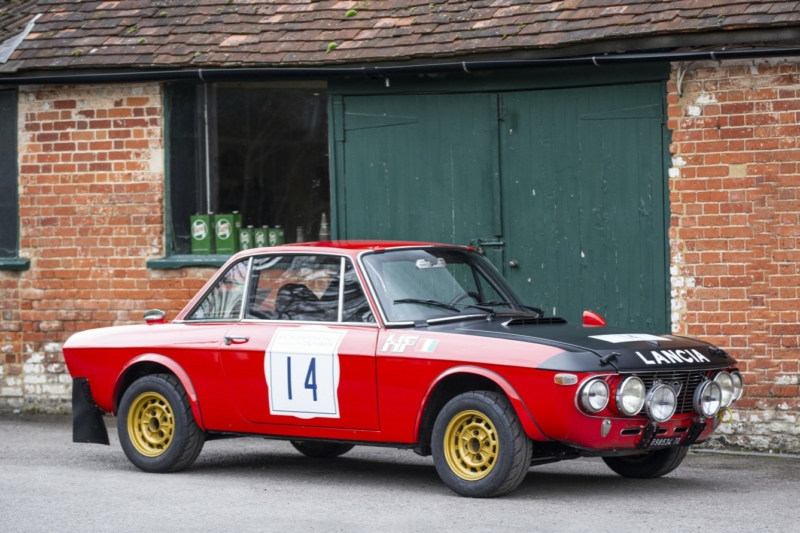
pixel 15 263
pixel 188 260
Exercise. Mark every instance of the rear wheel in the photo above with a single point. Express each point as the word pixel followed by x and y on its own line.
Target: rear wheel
pixel 479 447
pixel 649 465
pixel 321 450
pixel 156 426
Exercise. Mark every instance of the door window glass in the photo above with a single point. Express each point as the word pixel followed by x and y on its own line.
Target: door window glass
pixel 295 287
pixel 305 288
pixel 225 299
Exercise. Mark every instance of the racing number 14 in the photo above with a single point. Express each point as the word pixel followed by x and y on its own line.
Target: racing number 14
pixel 311 376
pixel 302 370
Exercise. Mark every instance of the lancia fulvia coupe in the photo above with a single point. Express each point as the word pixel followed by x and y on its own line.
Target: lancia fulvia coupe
pixel 412 345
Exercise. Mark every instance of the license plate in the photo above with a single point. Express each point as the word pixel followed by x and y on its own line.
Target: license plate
pixel 659 441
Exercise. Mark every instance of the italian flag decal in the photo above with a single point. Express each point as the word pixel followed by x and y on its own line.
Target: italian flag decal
pixel 427 345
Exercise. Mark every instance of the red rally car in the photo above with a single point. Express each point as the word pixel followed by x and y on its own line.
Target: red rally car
pixel 411 345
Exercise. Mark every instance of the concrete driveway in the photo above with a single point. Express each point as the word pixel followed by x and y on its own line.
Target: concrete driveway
pixel 47 483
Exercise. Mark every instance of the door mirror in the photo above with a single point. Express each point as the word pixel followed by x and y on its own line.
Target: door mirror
pixel 154 316
pixel 593 320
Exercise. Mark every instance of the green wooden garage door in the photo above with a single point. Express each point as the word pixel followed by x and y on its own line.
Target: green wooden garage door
pixel 571 180
pixel 583 202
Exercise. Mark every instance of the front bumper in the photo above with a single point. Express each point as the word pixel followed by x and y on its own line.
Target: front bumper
pixel 87 418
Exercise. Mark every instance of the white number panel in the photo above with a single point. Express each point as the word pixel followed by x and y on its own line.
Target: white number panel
pixel 302 369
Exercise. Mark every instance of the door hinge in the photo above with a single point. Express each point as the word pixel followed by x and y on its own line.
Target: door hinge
pixel 480 244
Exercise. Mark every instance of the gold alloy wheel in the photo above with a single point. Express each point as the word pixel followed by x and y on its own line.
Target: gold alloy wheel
pixel 151 424
pixel 471 445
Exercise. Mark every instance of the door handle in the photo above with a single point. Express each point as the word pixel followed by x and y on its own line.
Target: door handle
pixel 513 264
pixel 235 340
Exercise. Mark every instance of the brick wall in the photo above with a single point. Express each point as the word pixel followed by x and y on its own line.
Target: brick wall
pixel 735 234
pixel 91 213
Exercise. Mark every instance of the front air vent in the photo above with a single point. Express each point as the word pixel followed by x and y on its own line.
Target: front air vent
pixel 525 320
pixel 627 432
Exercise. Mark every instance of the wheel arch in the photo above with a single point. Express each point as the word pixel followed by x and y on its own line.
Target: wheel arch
pixel 147 364
pixel 458 380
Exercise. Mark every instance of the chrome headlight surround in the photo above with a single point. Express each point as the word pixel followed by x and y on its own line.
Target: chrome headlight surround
pixel 708 399
pixel 593 395
pixel 738 385
pixel 725 383
pixel 631 385
pixel 661 403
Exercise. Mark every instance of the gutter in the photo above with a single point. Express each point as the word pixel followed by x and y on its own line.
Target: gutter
pixel 376 72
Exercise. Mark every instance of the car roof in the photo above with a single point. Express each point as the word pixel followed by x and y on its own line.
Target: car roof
pixel 353 247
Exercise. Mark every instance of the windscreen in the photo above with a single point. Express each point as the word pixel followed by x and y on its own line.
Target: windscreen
pixel 429 283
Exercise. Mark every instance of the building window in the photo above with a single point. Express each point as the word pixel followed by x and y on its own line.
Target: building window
pixel 9 187
pixel 259 149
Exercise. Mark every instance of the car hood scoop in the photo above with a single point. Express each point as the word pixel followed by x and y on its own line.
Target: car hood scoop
pixel 527 320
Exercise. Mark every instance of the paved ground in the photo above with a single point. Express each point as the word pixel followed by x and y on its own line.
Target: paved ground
pixel 49 484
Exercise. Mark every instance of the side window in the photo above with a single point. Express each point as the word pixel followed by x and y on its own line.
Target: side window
pixel 356 307
pixel 225 299
pixel 295 287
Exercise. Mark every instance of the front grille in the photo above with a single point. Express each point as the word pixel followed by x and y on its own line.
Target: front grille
pixel 689 380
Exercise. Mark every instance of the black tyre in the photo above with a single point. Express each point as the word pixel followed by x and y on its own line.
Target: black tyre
pixel 479 447
pixel 649 465
pixel 156 426
pixel 321 450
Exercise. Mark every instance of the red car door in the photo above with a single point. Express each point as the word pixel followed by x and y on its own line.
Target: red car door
pixel 305 352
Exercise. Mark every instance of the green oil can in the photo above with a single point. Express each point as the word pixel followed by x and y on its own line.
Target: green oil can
pixel 226 239
pixel 200 228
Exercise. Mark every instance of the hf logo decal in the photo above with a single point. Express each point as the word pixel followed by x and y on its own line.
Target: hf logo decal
pixel 399 343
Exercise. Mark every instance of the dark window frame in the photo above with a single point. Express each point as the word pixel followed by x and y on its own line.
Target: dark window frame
pixel 9 183
pixel 206 150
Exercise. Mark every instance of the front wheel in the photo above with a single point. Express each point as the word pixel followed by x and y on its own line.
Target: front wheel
pixel 157 429
pixel 321 450
pixel 649 465
pixel 479 447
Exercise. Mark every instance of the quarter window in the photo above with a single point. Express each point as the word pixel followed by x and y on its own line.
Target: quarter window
pixel 224 301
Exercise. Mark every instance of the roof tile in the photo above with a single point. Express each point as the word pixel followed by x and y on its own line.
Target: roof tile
pixel 297 32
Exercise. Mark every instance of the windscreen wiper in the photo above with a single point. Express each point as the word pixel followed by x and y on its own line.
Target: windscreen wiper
pixel 492 303
pixel 434 303
pixel 485 308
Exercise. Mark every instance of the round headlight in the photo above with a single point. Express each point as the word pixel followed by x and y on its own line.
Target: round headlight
pixel 707 398
pixel 630 396
pixel 725 383
pixel 661 403
pixel 594 395
pixel 738 385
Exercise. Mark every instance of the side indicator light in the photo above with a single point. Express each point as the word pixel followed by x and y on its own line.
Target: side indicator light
pixel 566 379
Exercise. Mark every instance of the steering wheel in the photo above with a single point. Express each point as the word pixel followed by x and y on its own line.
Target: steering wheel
pixel 467 294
